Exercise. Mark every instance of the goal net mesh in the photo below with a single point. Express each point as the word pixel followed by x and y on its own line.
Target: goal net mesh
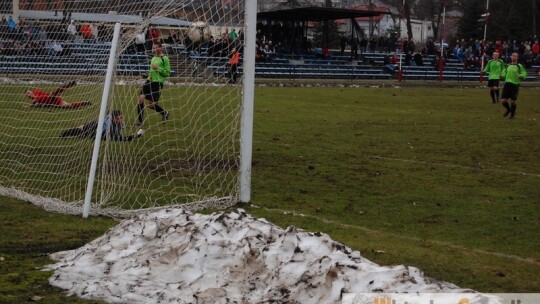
pixel 191 159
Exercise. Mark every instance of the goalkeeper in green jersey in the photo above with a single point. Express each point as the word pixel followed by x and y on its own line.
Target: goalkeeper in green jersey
pixel 160 69
pixel 494 67
pixel 513 73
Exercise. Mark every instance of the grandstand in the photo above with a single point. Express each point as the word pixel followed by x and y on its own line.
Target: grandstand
pixel 91 59
pixel 84 58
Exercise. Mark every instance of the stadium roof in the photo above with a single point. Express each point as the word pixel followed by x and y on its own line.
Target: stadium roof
pixel 112 18
pixel 315 14
pixel 382 10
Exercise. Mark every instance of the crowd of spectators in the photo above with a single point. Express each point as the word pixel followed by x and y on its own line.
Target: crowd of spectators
pixel 470 52
pixel 32 38
pixel 222 45
pixel 273 39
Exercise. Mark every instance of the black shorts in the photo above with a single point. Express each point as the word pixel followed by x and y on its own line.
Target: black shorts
pixel 493 83
pixel 510 91
pixel 151 90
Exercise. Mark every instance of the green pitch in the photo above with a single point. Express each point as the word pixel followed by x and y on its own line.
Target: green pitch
pixel 430 177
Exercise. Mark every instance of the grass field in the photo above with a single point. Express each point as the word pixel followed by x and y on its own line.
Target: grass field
pixel 430 177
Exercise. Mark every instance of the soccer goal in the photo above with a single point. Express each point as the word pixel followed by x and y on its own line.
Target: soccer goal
pixel 74 69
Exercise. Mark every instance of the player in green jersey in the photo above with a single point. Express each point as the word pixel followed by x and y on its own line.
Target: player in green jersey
pixel 513 73
pixel 494 67
pixel 160 69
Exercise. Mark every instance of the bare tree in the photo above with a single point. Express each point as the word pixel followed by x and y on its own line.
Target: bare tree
pixel 407 13
pixel 431 10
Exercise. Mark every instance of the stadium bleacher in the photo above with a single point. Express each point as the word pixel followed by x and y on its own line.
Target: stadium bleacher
pixel 91 58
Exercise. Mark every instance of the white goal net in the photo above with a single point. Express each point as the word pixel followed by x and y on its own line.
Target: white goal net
pixel 179 148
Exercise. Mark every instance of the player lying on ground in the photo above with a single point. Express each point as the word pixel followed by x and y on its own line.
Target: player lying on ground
pixel 112 129
pixel 41 98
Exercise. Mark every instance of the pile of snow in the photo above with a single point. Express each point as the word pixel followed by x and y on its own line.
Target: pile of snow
pixel 176 256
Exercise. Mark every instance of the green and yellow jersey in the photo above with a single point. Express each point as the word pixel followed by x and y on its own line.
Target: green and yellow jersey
pixel 163 71
pixel 494 68
pixel 514 73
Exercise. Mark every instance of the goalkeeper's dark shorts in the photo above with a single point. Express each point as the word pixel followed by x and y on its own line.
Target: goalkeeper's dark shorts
pixel 510 91
pixel 151 90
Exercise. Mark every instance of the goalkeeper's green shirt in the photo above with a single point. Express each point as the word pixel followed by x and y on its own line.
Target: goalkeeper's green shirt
pixel 514 73
pixel 163 71
pixel 494 68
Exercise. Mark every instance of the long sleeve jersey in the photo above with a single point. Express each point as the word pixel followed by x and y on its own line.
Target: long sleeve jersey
pixel 494 68
pixel 163 71
pixel 514 73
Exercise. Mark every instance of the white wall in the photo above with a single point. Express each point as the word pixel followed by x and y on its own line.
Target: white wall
pixel 421 29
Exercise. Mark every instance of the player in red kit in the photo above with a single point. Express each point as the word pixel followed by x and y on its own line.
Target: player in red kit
pixel 42 98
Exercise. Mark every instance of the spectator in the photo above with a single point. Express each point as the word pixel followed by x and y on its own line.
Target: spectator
pixel 232 35
pixel 42 35
pixel 363 45
pixel 418 60
pixel 535 49
pixel 268 52
pixel 140 41
pixel 372 44
pixel 458 53
pixel 342 44
pixel 234 60
pixel 408 58
pixel 86 32
pixel 11 25
pixel 154 35
pixel 72 30
pixel 57 48
pixel 430 47
pixel 353 41
pixel 389 64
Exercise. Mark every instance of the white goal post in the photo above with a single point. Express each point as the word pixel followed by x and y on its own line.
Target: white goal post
pixel 67 79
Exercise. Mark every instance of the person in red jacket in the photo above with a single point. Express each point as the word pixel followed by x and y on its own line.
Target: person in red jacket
pixel 86 32
pixel 42 98
pixel 154 35
pixel 536 49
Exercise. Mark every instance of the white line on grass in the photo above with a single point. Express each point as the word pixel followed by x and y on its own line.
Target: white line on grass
pixel 409 238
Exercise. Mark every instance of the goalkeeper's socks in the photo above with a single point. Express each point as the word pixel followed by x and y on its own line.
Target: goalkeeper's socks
pixel 140 112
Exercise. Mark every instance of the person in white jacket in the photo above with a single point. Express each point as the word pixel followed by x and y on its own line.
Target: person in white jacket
pixel 72 30
pixel 140 41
